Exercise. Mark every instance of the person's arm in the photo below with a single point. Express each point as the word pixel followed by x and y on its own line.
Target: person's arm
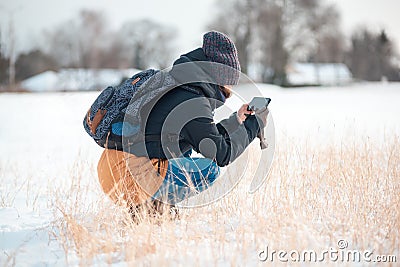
pixel 234 121
pixel 223 142
pixel 228 125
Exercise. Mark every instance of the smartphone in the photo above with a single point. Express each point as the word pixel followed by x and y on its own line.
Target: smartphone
pixel 259 104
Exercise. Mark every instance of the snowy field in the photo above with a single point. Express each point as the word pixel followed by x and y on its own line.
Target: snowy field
pixel 53 213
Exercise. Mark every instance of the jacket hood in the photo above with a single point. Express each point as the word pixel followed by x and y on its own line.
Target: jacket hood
pixel 193 70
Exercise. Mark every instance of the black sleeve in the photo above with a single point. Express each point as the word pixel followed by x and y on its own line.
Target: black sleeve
pixel 228 125
pixel 222 142
pixel 252 127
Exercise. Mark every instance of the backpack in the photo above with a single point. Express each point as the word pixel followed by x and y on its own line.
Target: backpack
pixel 105 120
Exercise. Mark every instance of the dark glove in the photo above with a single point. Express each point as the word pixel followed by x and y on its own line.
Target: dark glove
pixel 262 122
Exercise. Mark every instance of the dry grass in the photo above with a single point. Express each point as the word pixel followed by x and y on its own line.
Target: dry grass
pixel 313 197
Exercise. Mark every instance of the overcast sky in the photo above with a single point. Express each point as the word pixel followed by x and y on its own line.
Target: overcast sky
pixel 31 18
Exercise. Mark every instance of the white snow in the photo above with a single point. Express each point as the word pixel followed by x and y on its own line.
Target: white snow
pixel 41 136
pixel 369 109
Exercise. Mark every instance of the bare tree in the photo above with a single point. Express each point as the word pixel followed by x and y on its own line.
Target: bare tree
pixel 62 44
pixel 79 42
pixel 116 55
pixel 147 43
pixel 328 40
pixel 237 19
pixel 272 29
pixel 3 62
pixel 92 37
pixel 3 68
pixel 86 42
pixel 11 56
pixel 272 33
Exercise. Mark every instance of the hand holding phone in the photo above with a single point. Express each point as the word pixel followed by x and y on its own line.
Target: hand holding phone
pixel 259 104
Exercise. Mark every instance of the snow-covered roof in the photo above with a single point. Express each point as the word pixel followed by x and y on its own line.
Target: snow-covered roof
pixel 318 74
pixel 41 82
pixel 76 79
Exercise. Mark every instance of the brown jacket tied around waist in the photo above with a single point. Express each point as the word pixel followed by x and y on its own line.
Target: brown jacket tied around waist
pixel 128 179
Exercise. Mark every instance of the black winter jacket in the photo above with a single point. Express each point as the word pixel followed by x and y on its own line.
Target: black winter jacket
pixel 184 116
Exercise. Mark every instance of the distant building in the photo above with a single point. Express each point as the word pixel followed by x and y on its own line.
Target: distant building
pixel 299 74
pixel 76 79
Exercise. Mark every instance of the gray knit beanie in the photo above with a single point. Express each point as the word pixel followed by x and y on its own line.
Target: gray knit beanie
pixel 220 49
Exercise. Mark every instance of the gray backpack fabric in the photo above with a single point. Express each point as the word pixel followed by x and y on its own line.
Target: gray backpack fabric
pixel 105 120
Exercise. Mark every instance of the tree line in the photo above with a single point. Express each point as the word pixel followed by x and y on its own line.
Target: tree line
pixel 272 33
pixel 269 35
pixel 87 42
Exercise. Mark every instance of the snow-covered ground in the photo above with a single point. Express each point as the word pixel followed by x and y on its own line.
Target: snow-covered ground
pixel 369 109
pixel 41 138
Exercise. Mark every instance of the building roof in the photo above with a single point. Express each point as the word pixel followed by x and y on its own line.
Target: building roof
pixel 76 79
pixel 318 74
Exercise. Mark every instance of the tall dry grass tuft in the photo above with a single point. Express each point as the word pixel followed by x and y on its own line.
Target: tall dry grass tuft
pixel 313 197
pixel 350 192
